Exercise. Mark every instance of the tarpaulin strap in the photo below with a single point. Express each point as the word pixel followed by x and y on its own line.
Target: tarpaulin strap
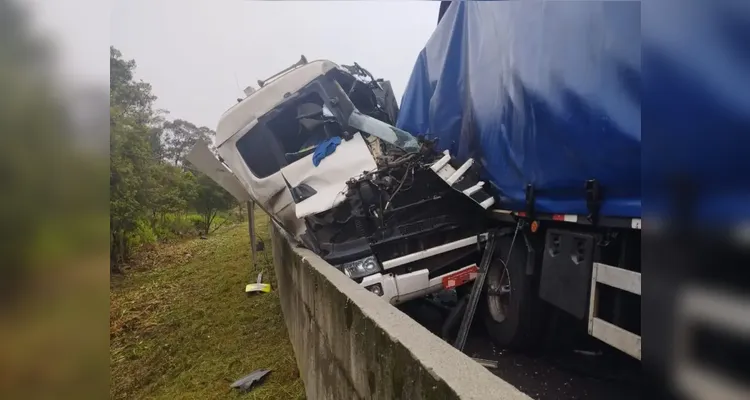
pixel 593 200
pixel 530 200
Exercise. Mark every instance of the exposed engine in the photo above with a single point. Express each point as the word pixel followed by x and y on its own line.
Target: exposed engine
pixel 400 208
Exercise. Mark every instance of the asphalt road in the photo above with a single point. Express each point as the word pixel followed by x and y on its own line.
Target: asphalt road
pixel 558 373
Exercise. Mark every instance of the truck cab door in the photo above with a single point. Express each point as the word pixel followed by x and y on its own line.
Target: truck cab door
pixel 320 188
pixel 204 160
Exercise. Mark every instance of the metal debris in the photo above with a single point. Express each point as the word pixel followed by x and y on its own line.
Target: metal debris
pixel 246 383
pixel 486 363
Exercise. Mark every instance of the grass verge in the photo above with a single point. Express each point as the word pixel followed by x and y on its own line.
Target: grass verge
pixel 181 326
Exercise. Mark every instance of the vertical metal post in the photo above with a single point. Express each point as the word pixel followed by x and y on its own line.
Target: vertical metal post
pixel 476 292
pixel 251 228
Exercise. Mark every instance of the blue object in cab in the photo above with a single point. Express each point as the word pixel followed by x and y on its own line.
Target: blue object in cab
pixel 324 149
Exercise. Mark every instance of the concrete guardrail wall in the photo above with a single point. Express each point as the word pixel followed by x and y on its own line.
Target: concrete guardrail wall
pixel 350 344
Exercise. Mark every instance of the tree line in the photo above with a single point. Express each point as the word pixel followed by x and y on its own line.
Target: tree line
pixel 155 194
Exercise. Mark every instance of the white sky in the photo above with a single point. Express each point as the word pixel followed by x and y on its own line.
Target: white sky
pixel 195 52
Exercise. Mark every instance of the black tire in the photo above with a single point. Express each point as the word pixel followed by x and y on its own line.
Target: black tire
pixel 518 329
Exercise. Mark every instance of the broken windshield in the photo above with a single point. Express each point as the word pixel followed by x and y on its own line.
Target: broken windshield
pixel 401 139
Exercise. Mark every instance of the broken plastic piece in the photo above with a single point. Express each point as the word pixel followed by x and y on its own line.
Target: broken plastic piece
pixel 259 286
pixel 245 384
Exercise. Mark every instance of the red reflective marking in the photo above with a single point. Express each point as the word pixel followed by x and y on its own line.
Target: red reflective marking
pixel 558 217
pixel 461 277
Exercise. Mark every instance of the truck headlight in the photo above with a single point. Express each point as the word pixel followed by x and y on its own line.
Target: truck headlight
pixel 361 268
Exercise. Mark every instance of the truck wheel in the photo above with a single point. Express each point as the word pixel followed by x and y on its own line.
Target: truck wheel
pixel 509 297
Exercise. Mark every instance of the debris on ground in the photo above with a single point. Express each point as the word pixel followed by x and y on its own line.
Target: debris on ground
pixel 258 286
pixel 588 353
pixel 246 383
pixel 486 363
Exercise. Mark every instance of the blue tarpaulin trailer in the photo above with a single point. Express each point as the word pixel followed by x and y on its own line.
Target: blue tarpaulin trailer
pixel 549 95
pixel 554 98
pixel 537 97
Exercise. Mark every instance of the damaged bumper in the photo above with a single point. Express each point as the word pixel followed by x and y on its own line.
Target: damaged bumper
pixel 397 289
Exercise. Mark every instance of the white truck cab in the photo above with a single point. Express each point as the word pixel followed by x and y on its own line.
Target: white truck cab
pixel 315 148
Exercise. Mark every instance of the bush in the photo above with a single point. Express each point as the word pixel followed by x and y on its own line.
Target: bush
pixel 141 235
pixel 172 226
pixel 197 222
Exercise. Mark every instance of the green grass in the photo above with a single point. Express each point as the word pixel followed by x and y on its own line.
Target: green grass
pixel 181 326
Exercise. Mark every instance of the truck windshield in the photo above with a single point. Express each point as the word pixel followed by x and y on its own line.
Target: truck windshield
pixel 401 139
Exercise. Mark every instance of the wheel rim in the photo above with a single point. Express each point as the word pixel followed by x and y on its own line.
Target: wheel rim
pixel 499 292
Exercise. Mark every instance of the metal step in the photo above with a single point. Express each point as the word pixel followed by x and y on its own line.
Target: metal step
pixel 455 178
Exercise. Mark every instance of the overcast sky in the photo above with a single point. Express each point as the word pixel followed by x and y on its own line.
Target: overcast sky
pixel 199 54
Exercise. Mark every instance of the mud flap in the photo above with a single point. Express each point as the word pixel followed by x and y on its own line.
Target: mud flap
pixel 566 270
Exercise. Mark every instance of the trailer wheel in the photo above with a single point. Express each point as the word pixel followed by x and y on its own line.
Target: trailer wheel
pixel 509 297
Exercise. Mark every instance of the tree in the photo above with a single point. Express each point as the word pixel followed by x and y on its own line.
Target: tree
pixel 130 169
pixel 210 200
pixel 132 161
pixel 133 97
pixel 180 136
pixel 170 190
pixel 148 176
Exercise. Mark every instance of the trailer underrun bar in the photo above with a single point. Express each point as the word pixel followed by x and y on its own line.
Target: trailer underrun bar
pixel 607 332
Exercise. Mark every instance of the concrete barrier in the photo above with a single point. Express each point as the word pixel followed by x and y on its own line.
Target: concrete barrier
pixel 350 344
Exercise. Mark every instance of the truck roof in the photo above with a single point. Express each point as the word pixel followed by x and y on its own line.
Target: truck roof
pixel 239 116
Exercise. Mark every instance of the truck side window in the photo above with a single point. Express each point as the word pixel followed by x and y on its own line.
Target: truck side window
pixel 256 149
pixel 285 135
pixel 300 124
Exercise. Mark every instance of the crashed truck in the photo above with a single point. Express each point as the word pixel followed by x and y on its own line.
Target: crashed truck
pixel 315 146
pixel 404 201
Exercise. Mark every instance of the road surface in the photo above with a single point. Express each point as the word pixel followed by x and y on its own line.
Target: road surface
pixel 548 374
